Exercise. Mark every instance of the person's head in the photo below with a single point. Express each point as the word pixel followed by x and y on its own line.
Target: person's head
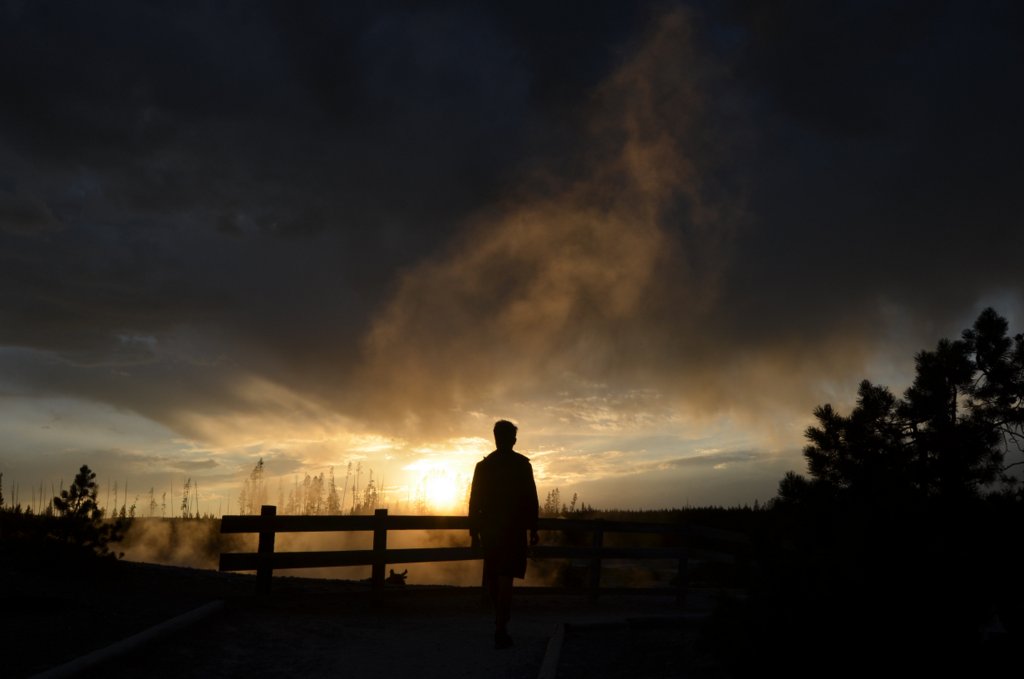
pixel 505 434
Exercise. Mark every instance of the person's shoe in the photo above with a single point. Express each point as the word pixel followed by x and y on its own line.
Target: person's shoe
pixel 502 640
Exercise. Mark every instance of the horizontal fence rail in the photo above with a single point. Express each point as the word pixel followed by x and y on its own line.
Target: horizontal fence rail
pixel 265 560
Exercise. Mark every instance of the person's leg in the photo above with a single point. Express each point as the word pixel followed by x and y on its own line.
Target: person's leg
pixel 503 601
pixel 491 586
pixel 502 610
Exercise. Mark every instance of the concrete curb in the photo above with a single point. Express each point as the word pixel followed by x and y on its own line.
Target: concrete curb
pixel 82 663
pixel 549 668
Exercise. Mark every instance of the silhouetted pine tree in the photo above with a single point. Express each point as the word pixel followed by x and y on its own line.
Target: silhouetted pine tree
pixel 552 503
pixel 253 494
pixel 333 501
pixel 79 501
pixel 902 513
pixel 186 495
pixel 80 520
pixel 945 440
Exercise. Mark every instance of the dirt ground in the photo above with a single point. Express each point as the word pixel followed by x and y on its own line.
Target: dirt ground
pixel 318 628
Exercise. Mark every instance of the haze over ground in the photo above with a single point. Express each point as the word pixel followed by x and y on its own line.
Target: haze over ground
pixel 656 235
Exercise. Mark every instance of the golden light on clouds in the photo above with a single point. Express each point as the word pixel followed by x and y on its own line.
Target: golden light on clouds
pixel 265 411
pixel 559 283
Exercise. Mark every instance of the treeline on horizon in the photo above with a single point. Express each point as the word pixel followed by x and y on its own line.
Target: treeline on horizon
pixel 188 508
pixel 318 495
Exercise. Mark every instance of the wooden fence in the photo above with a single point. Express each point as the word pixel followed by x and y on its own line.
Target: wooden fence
pixel 265 560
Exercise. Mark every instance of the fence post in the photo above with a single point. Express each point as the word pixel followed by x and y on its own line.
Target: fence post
pixel 265 568
pixel 595 561
pixel 683 576
pixel 380 546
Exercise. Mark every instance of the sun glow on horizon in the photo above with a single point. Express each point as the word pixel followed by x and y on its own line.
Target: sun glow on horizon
pixel 439 489
pixel 441 492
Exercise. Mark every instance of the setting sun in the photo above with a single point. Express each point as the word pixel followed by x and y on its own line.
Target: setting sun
pixel 439 489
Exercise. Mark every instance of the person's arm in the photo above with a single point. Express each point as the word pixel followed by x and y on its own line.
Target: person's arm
pixel 533 507
pixel 474 507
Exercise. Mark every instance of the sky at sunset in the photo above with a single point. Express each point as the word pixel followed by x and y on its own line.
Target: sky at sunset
pixel 655 235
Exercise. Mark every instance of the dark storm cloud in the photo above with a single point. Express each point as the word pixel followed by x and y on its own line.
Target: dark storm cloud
pixel 255 173
pixel 404 207
pixel 887 153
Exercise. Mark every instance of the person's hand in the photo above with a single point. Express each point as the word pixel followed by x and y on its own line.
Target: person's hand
pixel 534 538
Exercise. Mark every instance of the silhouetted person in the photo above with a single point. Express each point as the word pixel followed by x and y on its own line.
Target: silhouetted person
pixel 502 508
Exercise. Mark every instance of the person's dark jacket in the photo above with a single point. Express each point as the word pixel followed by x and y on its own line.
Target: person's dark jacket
pixel 503 496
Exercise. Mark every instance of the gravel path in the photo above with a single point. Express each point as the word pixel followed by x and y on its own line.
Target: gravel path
pixel 438 636
pixel 306 628
pixel 412 633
